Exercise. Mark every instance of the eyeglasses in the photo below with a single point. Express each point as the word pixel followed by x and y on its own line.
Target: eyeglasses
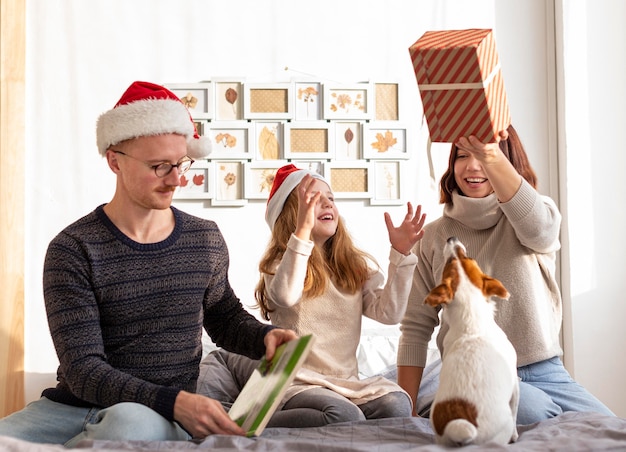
pixel 164 168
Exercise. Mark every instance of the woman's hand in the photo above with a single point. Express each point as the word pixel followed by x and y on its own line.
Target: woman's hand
pixel 502 175
pixel 410 231
pixel 485 153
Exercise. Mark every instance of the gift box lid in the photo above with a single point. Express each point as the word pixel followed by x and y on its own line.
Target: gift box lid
pixel 454 56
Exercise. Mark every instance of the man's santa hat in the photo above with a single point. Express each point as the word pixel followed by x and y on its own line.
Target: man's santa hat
pixel 287 178
pixel 146 109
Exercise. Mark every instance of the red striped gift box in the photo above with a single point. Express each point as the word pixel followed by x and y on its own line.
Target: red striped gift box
pixel 461 84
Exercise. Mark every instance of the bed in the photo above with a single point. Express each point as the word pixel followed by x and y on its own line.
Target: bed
pixel 567 432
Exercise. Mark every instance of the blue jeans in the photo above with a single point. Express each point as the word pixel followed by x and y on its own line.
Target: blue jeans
pixel 547 390
pixel 44 421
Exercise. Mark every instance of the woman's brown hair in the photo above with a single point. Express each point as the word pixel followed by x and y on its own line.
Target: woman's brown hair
pixel 513 150
pixel 338 259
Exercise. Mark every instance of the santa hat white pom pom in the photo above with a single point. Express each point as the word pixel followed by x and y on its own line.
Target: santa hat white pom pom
pixel 146 109
pixel 198 148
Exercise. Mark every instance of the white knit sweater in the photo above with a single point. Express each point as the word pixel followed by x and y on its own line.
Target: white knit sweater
pixel 334 318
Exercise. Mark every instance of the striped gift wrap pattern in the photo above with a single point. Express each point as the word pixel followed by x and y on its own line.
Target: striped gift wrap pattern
pixel 460 82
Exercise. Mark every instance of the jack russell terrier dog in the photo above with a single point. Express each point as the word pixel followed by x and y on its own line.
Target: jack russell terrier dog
pixel 478 393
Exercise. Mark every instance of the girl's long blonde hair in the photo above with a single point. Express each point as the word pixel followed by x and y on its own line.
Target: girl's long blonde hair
pixel 338 260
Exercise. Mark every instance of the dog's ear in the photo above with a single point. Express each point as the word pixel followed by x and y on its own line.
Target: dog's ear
pixel 440 294
pixel 493 287
pixel 444 293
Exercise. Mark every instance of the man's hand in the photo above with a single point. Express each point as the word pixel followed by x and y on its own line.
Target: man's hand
pixel 202 416
pixel 276 337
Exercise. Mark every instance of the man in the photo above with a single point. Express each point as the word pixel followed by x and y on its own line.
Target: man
pixel 128 289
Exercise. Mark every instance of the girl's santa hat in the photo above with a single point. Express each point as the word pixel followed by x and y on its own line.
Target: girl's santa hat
pixel 146 109
pixel 287 178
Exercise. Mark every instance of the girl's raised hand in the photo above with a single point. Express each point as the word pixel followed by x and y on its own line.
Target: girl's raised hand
pixel 410 231
pixel 307 199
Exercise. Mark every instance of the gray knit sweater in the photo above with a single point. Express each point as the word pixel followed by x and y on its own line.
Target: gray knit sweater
pixel 126 318
pixel 515 242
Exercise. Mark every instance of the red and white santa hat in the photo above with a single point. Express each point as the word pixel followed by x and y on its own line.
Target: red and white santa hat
pixel 286 179
pixel 146 109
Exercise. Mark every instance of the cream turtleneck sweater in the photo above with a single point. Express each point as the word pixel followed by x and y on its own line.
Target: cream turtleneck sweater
pixel 515 242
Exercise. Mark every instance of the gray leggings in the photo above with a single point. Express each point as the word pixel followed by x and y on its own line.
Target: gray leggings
pixel 320 406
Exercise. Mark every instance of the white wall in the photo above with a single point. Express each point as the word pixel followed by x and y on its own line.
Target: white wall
pixel 82 55
pixel 592 113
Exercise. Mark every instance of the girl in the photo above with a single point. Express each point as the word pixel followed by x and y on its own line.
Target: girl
pixel 314 280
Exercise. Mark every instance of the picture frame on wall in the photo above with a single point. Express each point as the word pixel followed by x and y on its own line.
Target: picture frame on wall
pixel 229 185
pixel 201 126
pixel 228 93
pixel 385 140
pixel 268 100
pixel 315 166
pixel 308 140
pixel 348 101
pixel 386 180
pixel 259 177
pixel 197 183
pixel 348 140
pixel 349 133
pixel 197 97
pixel 231 139
pixel 268 140
pixel 349 179
pixel 308 101
pixel 387 101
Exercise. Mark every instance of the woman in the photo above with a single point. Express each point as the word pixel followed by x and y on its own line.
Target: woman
pixel 491 204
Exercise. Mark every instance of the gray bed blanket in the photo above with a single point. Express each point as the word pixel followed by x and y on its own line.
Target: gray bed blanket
pixel 567 432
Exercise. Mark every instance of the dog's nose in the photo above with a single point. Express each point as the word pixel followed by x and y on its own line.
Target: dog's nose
pixel 452 240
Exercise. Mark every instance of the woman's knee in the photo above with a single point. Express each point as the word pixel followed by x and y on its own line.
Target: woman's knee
pixel 535 405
